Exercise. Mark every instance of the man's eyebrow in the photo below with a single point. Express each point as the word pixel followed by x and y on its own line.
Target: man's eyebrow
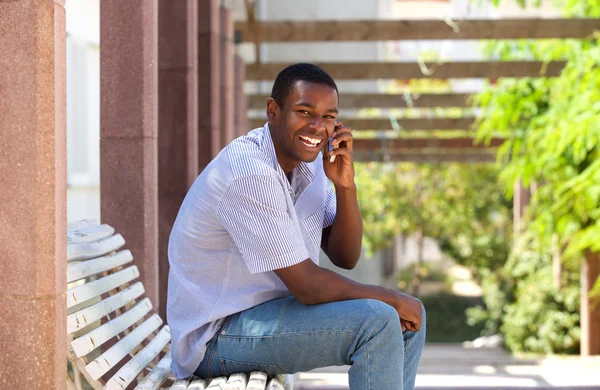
pixel 335 110
pixel 304 104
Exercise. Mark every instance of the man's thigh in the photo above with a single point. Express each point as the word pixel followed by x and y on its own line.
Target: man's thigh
pixel 285 336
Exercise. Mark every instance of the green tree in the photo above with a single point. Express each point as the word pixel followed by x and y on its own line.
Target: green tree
pixel 552 127
pixel 460 206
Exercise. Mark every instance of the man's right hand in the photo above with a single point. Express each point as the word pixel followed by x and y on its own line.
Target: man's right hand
pixel 410 311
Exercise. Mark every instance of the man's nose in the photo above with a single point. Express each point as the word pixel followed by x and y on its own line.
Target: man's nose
pixel 318 124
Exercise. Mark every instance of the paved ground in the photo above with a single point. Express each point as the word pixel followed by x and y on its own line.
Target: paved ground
pixel 451 366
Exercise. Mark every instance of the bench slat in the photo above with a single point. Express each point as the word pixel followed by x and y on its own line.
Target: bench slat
pixel 89 234
pixel 89 315
pixel 158 375
pixel 132 368
pixel 217 383
pixel 236 381
pixel 198 384
pixel 180 384
pixel 76 225
pixel 275 384
pixel 86 344
pixel 110 358
pixel 92 267
pixel 90 290
pixel 90 250
pixel 258 381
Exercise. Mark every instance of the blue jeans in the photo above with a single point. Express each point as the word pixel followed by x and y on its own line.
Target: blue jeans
pixel 283 336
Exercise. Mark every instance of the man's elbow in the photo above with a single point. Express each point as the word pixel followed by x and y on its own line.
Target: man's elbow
pixel 348 261
pixel 349 264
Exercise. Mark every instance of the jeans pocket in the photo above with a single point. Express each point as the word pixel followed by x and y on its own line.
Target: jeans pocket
pixel 229 366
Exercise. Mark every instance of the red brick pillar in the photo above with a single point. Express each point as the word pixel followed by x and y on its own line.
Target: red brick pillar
pixel 177 119
pixel 128 134
pixel 590 309
pixel 209 141
pixel 227 78
pixel 241 106
pixel 33 211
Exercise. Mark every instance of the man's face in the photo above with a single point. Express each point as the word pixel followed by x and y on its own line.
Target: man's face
pixel 301 128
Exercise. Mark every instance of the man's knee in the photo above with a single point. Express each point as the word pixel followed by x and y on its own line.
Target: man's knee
pixel 378 313
pixel 422 331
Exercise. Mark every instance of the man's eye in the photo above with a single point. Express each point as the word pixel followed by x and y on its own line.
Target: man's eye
pixel 329 117
pixel 303 112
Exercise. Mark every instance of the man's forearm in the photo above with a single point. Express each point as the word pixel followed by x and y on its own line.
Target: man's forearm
pixel 329 286
pixel 345 237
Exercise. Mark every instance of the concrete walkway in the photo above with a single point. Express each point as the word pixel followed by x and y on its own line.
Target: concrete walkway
pixel 452 366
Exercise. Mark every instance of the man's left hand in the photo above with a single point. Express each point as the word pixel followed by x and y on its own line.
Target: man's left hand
pixel 341 171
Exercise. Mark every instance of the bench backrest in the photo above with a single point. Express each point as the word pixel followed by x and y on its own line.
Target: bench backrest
pixel 107 306
pixel 102 286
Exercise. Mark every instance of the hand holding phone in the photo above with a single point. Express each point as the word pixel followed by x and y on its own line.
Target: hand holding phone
pixel 341 172
pixel 331 147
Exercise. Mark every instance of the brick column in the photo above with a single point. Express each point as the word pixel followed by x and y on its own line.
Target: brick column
pixel 209 141
pixel 128 135
pixel 177 119
pixel 241 106
pixel 227 78
pixel 33 197
pixel 590 309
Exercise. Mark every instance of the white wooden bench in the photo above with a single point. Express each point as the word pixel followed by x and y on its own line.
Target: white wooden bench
pixel 106 306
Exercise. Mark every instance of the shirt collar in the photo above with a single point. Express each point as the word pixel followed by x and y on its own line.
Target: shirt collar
pixel 304 169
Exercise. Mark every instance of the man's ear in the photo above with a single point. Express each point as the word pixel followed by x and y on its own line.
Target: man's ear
pixel 272 109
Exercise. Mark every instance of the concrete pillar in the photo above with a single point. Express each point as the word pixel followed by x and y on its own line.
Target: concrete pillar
pixel 128 135
pixel 209 141
pixel 227 108
pixel 240 105
pixel 177 119
pixel 33 211
pixel 590 309
pixel 521 198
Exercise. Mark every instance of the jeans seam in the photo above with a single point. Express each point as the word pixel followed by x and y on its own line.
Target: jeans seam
pixel 294 333
pixel 211 360
pixel 213 347
pixel 223 364
pixel 368 368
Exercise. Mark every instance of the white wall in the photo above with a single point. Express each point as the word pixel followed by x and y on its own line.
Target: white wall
pixel 83 109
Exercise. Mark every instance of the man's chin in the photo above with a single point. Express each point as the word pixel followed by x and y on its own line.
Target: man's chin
pixel 310 158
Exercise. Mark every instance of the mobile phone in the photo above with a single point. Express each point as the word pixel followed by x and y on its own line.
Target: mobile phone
pixel 331 147
pixel 330 144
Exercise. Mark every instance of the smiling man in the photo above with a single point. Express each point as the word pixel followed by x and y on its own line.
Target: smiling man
pixel 245 289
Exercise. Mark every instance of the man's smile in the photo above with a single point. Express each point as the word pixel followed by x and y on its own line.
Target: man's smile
pixel 310 142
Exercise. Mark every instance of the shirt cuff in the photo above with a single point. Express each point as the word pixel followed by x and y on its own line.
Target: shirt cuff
pixel 286 260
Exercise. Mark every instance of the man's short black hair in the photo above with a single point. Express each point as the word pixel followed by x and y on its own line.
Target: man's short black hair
pixel 287 78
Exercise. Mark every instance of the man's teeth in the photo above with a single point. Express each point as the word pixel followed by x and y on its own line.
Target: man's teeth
pixel 312 141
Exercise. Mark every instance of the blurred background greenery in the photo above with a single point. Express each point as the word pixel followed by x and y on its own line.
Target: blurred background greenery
pixel 530 289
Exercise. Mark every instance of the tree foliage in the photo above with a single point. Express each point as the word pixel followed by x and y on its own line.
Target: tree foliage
pixel 552 127
pixel 460 206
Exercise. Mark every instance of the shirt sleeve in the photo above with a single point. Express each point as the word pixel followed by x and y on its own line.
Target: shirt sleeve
pixel 255 213
pixel 330 206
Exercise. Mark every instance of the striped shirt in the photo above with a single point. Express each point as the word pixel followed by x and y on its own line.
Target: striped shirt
pixel 241 219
